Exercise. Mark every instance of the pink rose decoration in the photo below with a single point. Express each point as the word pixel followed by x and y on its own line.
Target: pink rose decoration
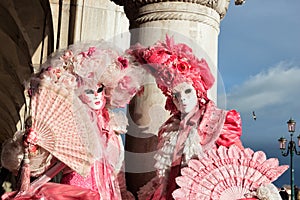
pixel 84 54
pixel 67 55
pixel 68 80
pixel 124 62
pixel 124 83
pixel 157 57
pixel 172 64
pixel 183 67
pixel 91 51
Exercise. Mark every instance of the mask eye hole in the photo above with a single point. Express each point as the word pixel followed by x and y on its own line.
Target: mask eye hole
pixel 89 91
pixel 187 91
pixel 100 89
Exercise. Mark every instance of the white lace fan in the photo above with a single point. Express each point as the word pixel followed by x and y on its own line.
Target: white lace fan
pixel 63 126
pixel 226 173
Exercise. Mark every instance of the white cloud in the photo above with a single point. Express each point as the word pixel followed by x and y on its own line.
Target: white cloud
pixel 278 85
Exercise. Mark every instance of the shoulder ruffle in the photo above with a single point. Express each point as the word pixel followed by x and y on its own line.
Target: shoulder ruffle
pixel 211 125
pixel 232 129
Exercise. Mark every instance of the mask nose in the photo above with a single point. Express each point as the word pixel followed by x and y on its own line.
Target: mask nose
pixel 183 99
pixel 96 93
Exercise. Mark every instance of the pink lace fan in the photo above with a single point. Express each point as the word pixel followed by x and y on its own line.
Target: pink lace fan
pixel 63 127
pixel 227 173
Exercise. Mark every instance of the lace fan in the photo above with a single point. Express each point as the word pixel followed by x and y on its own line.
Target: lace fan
pixel 226 173
pixel 63 126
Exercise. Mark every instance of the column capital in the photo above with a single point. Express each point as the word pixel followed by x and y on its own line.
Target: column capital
pixel 132 6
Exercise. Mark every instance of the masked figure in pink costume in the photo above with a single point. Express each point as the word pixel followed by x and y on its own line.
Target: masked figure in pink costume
pixel 107 176
pixel 103 176
pixel 102 79
pixel 196 124
pixel 102 89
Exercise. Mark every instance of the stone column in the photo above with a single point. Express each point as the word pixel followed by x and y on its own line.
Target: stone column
pixel 194 22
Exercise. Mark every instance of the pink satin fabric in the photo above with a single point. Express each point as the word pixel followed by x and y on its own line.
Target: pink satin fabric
pixel 232 130
pixel 102 180
pixel 55 191
pixel 74 178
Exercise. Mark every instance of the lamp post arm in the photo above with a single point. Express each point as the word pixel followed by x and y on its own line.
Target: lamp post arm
pixel 295 149
pixel 285 154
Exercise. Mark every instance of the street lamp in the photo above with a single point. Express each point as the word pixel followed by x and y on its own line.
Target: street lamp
pixel 290 151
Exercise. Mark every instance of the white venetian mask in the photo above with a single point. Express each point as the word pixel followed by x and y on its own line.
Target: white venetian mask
pixel 95 98
pixel 185 97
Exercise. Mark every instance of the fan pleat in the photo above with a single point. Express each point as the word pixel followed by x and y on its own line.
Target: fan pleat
pixel 226 173
pixel 59 129
pixel 259 157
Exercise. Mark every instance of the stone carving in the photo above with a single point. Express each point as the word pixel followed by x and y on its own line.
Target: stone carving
pixel 177 11
pixel 220 6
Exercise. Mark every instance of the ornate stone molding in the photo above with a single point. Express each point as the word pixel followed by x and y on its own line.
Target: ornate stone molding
pixel 220 6
pixel 178 11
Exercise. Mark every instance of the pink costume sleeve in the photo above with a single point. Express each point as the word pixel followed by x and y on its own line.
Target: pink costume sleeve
pixel 231 131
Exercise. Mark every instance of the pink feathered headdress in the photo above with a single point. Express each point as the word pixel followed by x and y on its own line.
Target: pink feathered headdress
pixel 88 65
pixel 172 64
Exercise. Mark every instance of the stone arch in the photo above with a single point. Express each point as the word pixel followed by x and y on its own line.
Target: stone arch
pixel 26 38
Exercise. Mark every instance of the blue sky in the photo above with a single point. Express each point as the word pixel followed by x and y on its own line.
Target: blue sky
pixel 259 63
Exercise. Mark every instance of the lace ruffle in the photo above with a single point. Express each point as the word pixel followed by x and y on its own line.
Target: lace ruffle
pixel 211 125
pixel 164 156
